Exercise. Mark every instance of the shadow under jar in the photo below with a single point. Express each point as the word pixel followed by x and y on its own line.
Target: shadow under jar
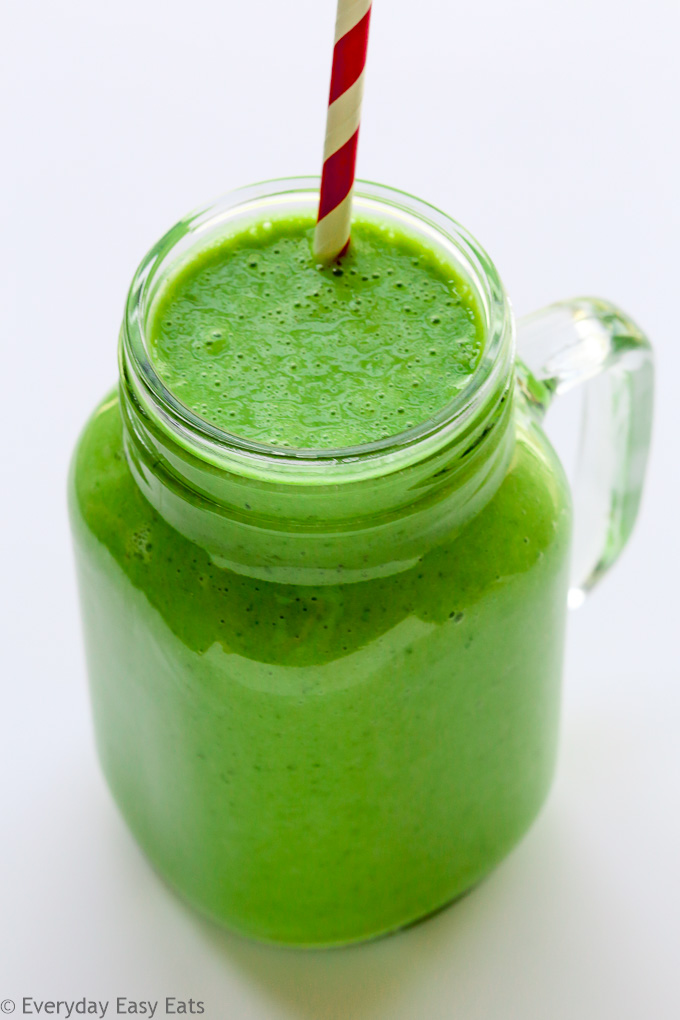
pixel 326 683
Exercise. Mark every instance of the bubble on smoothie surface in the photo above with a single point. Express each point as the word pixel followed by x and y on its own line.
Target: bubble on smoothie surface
pixel 257 338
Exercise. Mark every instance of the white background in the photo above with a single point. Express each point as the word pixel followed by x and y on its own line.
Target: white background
pixel 551 131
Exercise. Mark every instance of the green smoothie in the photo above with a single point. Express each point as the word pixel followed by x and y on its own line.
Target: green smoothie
pixel 327 709
pixel 258 338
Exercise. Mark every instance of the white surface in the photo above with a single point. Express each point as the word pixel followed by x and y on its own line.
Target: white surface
pixel 550 130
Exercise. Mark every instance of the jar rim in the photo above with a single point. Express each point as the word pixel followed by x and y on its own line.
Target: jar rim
pixel 234 453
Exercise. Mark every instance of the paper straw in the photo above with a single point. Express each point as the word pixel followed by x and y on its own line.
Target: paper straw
pixel 331 236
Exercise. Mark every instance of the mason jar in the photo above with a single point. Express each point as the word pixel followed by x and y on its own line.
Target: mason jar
pixel 326 683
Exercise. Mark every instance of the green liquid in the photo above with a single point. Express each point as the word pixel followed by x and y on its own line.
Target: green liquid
pixel 320 730
pixel 257 338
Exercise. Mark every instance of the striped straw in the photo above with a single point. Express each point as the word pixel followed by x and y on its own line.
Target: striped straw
pixel 331 236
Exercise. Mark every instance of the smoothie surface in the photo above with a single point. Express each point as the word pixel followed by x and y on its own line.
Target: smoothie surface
pixel 253 335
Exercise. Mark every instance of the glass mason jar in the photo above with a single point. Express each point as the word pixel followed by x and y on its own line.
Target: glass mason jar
pixel 326 684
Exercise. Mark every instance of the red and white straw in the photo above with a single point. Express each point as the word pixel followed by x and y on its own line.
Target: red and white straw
pixel 331 236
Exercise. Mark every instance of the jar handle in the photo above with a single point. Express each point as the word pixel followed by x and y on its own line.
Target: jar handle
pixel 592 343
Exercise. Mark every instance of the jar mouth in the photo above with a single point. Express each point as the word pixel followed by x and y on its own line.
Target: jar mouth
pixel 226 450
